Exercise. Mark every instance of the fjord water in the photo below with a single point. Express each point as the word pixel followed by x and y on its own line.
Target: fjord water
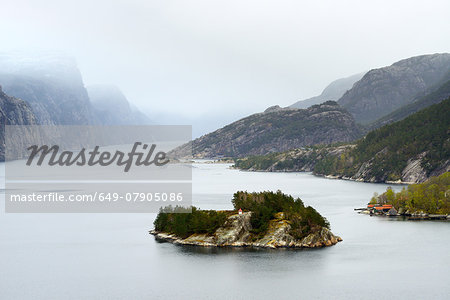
pixel 112 256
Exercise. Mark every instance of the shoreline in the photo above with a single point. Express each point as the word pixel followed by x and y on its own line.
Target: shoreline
pixel 198 240
pixel 398 182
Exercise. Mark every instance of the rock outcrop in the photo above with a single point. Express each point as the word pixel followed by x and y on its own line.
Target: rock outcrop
pixel 236 233
pixel 414 172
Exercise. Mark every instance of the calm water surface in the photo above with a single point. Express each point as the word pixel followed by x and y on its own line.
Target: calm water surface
pixel 112 256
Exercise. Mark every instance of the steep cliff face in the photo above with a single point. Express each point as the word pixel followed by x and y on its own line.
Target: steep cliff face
pixel 51 84
pixel 333 92
pixel 381 91
pixel 277 130
pixel 236 233
pixel 111 107
pixel 13 111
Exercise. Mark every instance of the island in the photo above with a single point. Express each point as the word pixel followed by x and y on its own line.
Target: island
pixel 261 220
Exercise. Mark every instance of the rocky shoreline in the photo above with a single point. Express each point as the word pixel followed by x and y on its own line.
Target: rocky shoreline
pixel 236 233
pixel 342 177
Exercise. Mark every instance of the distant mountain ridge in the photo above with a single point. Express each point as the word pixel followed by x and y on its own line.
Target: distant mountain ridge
pixel 384 90
pixel 400 89
pixel 112 107
pixel 276 130
pixel 333 91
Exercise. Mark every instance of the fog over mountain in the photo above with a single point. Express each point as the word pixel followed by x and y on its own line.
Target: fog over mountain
pixel 198 59
pixel 111 107
pixel 333 91
pixel 52 85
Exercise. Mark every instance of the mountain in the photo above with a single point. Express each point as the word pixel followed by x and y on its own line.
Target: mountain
pixel 276 130
pixel 421 102
pixel 51 84
pixel 410 150
pixel 13 111
pixel 333 91
pixel 382 91
pixel 112 107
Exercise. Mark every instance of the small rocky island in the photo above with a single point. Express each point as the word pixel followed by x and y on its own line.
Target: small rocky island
pixel 263 220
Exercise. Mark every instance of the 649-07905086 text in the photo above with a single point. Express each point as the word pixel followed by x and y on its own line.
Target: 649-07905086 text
pixel 98 197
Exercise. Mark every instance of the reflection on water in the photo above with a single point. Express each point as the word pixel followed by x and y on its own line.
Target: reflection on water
pixel 112 256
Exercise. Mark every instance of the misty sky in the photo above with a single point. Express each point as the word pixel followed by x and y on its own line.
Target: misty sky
pixel 181 60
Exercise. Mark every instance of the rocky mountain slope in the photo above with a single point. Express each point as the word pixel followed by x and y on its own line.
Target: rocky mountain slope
pixel 433 97
pixel 112 107
pixel 382 91
pixel 276 130
pixel 410 150
pixel 333 92
pixel 13 111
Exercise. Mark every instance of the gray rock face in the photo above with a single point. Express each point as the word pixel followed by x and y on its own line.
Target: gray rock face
pixel 277 131
pixel 236 233
pixel 111 107
pixel 236 230
pixel 333 92
pixel 381 91
pixel 13 111
pixel 51 84
pixel 414 172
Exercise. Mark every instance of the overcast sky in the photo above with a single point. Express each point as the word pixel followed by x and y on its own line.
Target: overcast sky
pixel 193 59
